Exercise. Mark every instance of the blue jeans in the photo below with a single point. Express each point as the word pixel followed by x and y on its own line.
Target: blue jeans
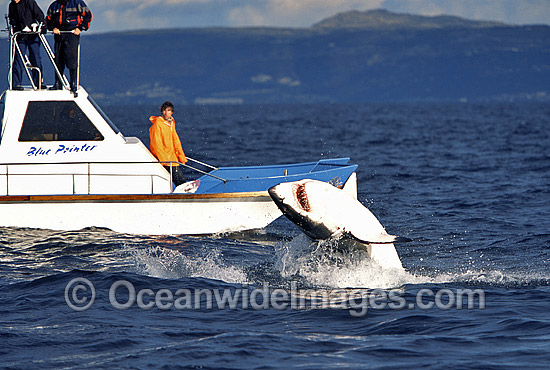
pixel 31 42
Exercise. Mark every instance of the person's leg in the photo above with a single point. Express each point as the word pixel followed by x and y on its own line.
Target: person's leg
pixel 71 58
pixel 17 75
pixel 34 58
pixel 72 79
pixel 177 176
pixel 59 60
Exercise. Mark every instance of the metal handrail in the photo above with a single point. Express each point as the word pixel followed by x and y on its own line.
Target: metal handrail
pixel 51 55
pixel 86 172
pixel 68 163
pixel 14 49
pixel 90 175
pixel 170 164
pixel 164 163
pixel 203 164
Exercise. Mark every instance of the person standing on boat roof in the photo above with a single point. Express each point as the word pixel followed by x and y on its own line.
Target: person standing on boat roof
pixel 67 19
pixel 165 142
pixel 26 16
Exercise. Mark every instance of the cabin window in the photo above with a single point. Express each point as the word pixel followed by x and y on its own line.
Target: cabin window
pixel 57 121
pixel 105 117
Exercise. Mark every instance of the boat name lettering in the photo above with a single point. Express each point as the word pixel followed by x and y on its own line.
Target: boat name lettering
pixel 62 149
pixel 65 149
pixel 37 151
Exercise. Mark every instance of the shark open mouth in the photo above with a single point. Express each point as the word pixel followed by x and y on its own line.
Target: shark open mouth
pixel 301 196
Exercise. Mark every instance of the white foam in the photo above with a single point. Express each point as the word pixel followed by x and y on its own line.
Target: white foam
pixel 318 264
pixel 323 265
pixel 173 264
pixel 491 277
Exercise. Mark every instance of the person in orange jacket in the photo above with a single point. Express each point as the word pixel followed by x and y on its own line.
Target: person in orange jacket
pixel 165 142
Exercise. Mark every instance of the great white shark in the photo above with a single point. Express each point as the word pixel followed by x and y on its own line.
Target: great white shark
pixel 324 211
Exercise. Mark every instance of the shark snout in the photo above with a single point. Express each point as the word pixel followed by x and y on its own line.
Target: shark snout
pixel 274 194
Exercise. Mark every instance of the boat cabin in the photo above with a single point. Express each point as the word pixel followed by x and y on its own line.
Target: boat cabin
pixel 60 142
pixel 55 143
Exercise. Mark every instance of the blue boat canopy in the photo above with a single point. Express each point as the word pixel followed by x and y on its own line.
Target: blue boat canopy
pixel 261 178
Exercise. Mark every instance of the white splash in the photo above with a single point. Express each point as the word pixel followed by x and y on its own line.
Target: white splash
pixel 491 277
pixel 173 264
pixel 323 265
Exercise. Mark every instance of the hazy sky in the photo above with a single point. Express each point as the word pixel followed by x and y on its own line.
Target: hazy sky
pixel 118 15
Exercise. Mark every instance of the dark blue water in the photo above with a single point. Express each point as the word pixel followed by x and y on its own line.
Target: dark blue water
pixel 469 183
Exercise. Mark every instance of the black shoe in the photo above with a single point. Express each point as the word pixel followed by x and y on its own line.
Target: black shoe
pixel 19 88
pixel 42 87
pixel 55 87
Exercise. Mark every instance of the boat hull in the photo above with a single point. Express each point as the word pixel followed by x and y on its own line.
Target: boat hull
pixel 142 214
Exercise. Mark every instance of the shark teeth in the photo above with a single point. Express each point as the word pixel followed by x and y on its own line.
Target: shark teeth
pixel 301 196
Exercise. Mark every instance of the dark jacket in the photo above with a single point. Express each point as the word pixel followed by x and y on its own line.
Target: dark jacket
pixel 67 15
pixel 24 14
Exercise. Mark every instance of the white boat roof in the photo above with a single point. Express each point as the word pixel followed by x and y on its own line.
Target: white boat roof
pixel 43 112
pixel 57 118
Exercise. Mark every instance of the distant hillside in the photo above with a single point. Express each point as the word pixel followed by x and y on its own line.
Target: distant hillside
pixel 383 19
pixel 351 57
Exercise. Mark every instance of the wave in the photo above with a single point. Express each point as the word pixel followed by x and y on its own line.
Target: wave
pixel 169 263
pixel 320 264
pixel 276 256
pixel 313 264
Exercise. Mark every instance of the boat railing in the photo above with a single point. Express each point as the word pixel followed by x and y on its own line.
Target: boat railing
pixel 203 164
pixel 170 164
pixel 322 163
pixel 17 169
pixel 15 52
pixel 13 170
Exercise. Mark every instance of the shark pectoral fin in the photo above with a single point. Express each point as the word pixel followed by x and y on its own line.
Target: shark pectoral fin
pixel 380 239
pixel 350 186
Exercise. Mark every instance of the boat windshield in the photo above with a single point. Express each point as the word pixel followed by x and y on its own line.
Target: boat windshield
pixel 57 121
pixel 105 117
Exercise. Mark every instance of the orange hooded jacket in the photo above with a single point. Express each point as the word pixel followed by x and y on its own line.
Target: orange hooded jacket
pixel 165 143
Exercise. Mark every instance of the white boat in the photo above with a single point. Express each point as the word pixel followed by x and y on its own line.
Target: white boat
pixel 65 166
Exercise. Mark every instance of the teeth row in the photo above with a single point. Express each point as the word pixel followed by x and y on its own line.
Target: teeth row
pixel 301 196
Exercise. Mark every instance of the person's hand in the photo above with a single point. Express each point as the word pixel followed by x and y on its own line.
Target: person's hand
pixel 76 31
pixel 56 31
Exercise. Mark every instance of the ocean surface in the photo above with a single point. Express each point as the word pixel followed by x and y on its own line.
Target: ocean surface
pixel 468 183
